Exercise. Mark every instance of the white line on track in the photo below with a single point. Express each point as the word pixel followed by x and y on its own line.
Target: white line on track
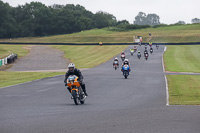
pixel 45 90
pixel 167 90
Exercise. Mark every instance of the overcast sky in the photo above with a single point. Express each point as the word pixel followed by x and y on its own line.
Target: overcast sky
pixel 170 11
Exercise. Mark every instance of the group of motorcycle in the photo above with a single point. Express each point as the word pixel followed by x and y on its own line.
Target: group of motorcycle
pixel 146 54
pixel 125 68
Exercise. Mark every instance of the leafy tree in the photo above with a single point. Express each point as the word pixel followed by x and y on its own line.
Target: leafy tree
pixel 36 19
pixel 195 20
pixel 180 22
pixel 123 22
pixel 150 19
pixel 103 19
pixel 140 19
pixel 7 22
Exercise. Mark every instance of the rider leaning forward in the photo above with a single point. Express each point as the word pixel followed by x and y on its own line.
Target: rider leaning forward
pixel 74 71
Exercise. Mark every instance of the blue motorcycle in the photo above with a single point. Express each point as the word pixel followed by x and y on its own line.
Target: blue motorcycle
pixel 125 70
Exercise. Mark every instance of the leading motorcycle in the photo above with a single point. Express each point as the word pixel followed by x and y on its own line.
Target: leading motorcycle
pixel 125 70
pixel 77 92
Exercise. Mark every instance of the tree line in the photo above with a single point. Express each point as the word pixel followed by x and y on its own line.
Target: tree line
pixel 37 19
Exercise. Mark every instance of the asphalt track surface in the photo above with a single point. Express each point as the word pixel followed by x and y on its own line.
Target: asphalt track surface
pixel 114 105
pixel 41 58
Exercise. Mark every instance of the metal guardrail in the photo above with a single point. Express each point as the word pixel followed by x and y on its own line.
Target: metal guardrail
pixel 18 43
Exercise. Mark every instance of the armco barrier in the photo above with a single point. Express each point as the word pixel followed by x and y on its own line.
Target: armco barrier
pixel 17 43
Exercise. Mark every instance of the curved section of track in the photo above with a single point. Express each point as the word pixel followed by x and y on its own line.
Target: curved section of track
pixel 114 105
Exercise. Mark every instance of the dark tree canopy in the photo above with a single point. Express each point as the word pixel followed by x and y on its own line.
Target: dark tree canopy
pixel 123 22
pixel 37 19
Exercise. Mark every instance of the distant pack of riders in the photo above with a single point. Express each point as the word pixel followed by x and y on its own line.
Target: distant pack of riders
pixel 125 67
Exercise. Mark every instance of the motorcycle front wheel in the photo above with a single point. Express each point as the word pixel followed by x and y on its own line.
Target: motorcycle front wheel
pixel 75 97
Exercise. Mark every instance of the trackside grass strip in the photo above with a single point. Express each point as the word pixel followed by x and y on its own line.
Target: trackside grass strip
pixel 184 89
pixel 182 58
pixel 12 78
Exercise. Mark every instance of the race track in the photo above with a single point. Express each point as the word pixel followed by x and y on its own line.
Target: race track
pixel 114 105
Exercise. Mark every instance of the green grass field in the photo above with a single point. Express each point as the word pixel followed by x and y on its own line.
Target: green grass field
pixel 176 33
pixel 184 89
pixel 82 56
pixel 182 58
pixel 90 56
pixel 11 78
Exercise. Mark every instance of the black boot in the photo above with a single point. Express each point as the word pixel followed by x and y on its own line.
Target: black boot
pixel 69 89
pixel 84 90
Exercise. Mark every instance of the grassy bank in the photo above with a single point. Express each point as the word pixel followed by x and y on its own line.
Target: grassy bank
pixel 90 56
pixel 182 58
pixel 175 33
pixel 20 50
pixel 11 78
pixel 184 89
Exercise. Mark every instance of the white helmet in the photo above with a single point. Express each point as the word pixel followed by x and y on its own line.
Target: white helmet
pixel 71 67
pixel 116 58
pixel 126 60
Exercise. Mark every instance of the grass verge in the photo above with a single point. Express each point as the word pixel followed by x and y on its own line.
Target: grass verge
pixel 182 58
pixel 20 50
pixel 174 33
pixel 184 89
pixel 12 78
pixel 90 56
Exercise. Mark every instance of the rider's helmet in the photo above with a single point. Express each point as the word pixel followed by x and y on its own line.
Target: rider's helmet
pixel 116 58
pixel 71 67
pixel 126 60
pixel 138 52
